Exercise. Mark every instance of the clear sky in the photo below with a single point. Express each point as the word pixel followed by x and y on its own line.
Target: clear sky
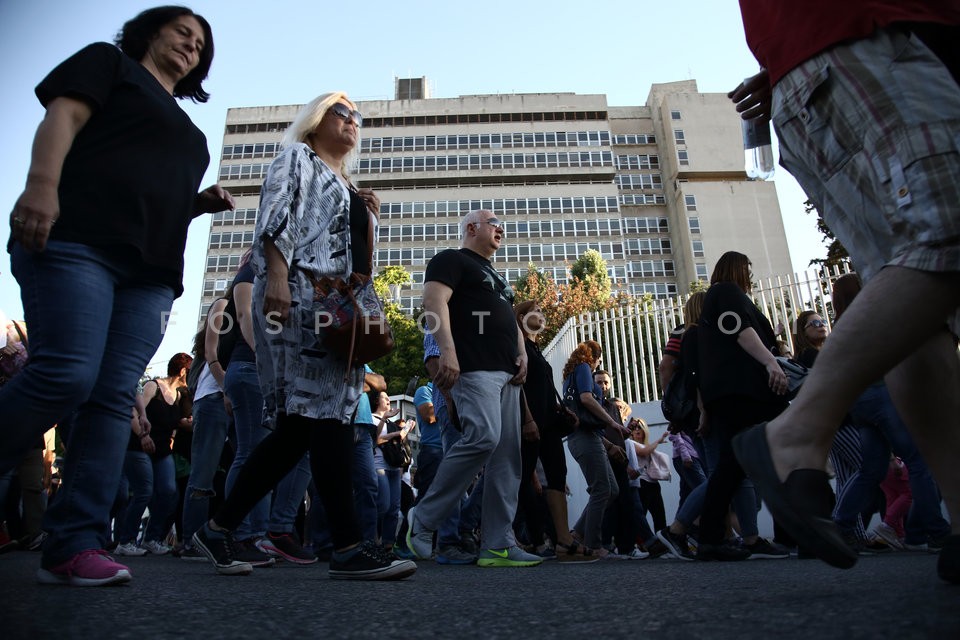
pixel 271 52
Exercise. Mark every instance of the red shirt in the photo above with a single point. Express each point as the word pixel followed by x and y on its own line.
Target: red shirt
pixel 783 33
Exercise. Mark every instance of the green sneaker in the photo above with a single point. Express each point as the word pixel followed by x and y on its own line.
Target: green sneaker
pixel 510 557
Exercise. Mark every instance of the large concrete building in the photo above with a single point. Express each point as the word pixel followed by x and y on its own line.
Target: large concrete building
pixel 659 190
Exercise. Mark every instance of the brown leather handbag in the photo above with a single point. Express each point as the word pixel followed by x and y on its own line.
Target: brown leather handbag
pixel 350 310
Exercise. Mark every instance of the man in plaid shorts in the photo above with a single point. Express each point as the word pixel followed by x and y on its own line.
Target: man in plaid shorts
pixel 865 100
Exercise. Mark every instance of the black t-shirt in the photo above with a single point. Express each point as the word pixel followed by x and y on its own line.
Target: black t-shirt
pixel 538 388
pixel 481 310
pixel 131 177
pixel 359 228
pixel 241 350
pixel 725 369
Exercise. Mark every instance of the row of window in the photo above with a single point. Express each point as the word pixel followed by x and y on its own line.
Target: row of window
pixel 243 151
pixel 224 263
pixel 638 162
pixel 656 289
pixel 457 141
pixel 519 206
pixel 643 198
pixel 485 161
pixel 635 138
pixel 240 216
pixel 646 246
pixel 231 240
pixel 651 269
pixel 486 141
pixel 645 225
pixel 514 229
pixel 474 118
pixel 639 181
pixel 510 253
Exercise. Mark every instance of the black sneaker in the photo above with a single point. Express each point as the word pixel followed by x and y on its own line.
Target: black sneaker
pixel 370 562
pixel 763 548
pixel 220 548
pixel 469 543
pixel 656 548
pixel 287 547
pixel 249 551
pixel 724 552
pixel 676 543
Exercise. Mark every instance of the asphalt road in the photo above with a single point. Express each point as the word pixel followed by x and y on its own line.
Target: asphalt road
pixel 895 596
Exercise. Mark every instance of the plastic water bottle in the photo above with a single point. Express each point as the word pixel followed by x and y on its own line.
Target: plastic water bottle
pixel 757 149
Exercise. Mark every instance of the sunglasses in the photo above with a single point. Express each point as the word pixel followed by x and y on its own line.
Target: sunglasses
pixel 494 222
pixel 815 323
pixel 343 111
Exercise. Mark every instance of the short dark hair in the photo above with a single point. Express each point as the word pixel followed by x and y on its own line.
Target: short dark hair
pixel 135 36
pixel 178 362
pixel 601 372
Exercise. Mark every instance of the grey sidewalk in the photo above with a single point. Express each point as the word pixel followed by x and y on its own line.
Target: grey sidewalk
pixel 894 596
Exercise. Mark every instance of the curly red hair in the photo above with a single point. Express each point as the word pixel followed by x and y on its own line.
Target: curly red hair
pixel 587 352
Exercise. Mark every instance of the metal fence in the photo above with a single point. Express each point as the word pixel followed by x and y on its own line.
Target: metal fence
pixel 634 336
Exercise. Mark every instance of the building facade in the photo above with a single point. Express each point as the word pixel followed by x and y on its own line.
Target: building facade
pixel 659 190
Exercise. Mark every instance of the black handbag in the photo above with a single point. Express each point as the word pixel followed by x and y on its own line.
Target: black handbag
pixel 396 451
pixel 564 420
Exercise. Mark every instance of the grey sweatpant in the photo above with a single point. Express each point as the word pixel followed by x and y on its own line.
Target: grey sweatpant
pixel 489 410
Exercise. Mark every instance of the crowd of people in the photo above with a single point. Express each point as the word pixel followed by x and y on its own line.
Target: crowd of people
pixel 305 415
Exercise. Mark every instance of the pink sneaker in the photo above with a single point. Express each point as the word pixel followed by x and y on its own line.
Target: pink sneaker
pixel 90 568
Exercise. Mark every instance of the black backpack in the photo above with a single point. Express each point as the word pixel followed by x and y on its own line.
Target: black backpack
pixel 679 398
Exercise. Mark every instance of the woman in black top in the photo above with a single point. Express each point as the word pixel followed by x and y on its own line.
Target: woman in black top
pixel 542 439
pixel 97 241
pixel 808 340
pixel 741 384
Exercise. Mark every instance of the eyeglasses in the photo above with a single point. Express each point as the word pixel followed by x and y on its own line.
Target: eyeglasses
pixel 815 323
pixel 493 222
pixel 343 111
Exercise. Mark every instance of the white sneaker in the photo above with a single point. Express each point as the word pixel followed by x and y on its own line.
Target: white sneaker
pixel 156 547
pixel 637 554
pixel 129 549
pixel 886 533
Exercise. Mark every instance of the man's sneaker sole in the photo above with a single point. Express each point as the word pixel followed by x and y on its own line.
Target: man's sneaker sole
pixel 672 548
pixel 412 540
pixel 233 569
pixel 268 547
pixel 398 570
pixel 48 577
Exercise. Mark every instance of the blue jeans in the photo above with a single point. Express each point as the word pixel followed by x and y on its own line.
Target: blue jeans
pixel 881 430
pixel 242 386
pixel 153 483
pixel 85 308
pixel 210 423
pixel 744 501
pixel 365 484
pixel 288 496
pixel 388 504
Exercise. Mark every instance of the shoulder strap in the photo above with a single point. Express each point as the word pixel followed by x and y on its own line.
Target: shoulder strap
pixel 23 337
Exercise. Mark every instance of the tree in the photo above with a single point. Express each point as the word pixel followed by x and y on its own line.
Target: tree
pixel 589 273
pixel 836 252
pixel 521 287
pixel 560 302
pixel 406 359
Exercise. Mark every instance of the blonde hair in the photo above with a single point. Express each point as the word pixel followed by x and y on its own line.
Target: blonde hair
pixel 640 422
pixel 308 119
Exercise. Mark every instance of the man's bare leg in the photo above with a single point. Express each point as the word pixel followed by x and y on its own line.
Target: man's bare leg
pixel 897 312
pixel 926 391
